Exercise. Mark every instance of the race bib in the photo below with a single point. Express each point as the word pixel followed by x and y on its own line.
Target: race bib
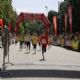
pixel 44 41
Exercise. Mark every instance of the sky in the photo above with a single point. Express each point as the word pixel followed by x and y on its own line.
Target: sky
pixel 35 6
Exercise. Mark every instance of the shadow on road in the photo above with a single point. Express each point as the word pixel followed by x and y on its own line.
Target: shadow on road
pixel 40 73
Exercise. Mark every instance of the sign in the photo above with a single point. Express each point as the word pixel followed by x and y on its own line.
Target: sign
pixel 1 22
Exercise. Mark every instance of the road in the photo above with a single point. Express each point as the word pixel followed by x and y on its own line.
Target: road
pixel 60 64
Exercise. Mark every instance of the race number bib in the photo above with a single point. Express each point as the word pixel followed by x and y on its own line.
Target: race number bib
pixel 44 41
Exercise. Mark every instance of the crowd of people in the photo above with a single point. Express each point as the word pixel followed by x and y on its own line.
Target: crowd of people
pixel 68 40
pixel 29 40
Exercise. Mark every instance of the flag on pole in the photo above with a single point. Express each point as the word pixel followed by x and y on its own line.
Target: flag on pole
pixel 55 24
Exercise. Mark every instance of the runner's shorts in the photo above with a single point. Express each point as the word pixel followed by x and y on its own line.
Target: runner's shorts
pixel 43 48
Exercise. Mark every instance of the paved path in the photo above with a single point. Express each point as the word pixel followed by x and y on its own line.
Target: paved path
pixel 60 63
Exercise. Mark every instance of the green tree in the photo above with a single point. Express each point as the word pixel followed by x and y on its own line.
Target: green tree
pixel 51 13
pixel 33 27
pixel 21 29
pixel 62 10
pixel 7 13
pixel 63 7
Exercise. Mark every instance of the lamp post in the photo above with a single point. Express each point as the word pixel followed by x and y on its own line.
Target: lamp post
pixel 46 8
pixel 59 6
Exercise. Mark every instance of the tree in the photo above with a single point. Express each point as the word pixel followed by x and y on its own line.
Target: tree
pixel 21 29
pixel 51 13
pixel 62 10
pixel 1 9
pixel 7 13
pixel 32 27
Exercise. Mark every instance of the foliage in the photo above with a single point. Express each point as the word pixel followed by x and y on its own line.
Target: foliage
pixel 32 27
pixel 51 13
pixel 63 7
pixel 6 12
pixel 75 14
pixel 21 29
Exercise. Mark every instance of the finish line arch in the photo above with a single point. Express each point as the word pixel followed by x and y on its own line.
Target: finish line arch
pixel 33 16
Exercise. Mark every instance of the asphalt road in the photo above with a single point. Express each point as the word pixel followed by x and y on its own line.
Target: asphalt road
pixel 41 73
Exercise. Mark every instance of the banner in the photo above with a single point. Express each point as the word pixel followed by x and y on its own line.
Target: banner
pixel 1 23
pixel 65 21
pixel 55 24
pixel 70 17
pixel 9 26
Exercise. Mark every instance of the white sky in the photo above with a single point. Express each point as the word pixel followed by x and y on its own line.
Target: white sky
pixel 35 6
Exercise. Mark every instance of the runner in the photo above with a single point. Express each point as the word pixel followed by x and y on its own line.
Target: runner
pixel 39 42
pixel 50 41
pixel 34 41
pixel 21 39
pixel 44 42
pixel 27 41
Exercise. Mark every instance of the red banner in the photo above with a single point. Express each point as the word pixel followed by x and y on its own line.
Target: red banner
pixel 70 17
pixel 9 26
pixel 65 21
pixel 55 24
pixel 1 22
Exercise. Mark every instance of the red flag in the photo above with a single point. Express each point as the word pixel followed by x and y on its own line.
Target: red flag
pixel 70 17
pixel 55 24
